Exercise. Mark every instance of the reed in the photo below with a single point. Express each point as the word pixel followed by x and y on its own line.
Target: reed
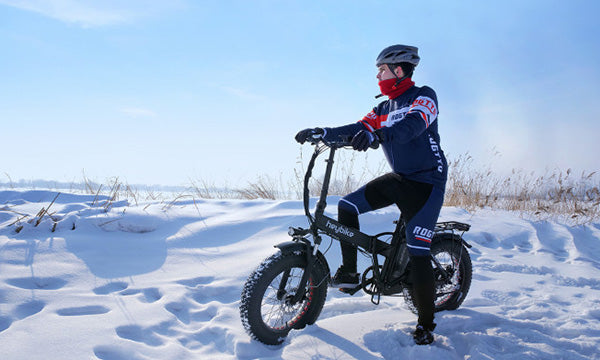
pixel 556 194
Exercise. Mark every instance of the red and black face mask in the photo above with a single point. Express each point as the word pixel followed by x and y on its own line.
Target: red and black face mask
pixel 392 89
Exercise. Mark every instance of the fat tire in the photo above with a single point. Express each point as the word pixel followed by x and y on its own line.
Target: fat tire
pixel 458 253
pixel 257 285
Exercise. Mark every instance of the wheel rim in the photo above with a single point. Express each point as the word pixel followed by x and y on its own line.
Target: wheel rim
pixel 445 290
pixel 277 310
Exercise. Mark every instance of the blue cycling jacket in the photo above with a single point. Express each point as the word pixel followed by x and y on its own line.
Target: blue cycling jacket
pixel 409 131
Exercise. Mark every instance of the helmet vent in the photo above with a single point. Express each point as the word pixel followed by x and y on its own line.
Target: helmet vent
pixel 397 54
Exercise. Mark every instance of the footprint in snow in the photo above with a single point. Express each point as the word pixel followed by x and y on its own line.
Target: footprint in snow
pixel 595 314
pixel 223 294
pixel 501 297
pixel 148 295
pixel 202 280
pixel 110 288
pixel 128 292
pixel 37 283
pixel 151 295
pixel 83 310
pixel 207 313
pixel 138 334
pixel 29 308
pixel 215 336
pixel 109 352
pixel 180 310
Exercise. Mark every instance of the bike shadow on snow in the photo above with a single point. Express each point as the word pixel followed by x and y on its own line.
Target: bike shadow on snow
pixel 335 340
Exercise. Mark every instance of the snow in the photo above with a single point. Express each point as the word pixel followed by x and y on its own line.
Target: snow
pixel 159 280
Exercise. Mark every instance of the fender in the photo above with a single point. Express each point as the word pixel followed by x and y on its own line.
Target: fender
pixel 296 247
pixel 455 237
pixel 287 247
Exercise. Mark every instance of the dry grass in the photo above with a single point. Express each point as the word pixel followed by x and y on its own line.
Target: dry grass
pixel 264 187
pixel 204 189
pixel 557 194
pixel 560 194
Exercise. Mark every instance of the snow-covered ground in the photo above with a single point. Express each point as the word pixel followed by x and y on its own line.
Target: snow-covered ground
pixel 162 280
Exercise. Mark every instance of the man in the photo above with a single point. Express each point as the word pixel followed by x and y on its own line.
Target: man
pixel 406 126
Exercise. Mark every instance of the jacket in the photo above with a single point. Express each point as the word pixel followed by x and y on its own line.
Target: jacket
pixel 408 128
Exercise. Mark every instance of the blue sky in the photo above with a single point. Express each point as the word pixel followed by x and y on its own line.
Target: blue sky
pixel 161 92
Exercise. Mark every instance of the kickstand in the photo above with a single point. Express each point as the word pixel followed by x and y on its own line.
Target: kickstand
pixel 376 302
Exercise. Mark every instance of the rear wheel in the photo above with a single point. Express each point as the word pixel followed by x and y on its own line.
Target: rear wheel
pixel 267 308
pixel 452 271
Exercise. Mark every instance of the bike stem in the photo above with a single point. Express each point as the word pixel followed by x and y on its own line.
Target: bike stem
pixel 322 204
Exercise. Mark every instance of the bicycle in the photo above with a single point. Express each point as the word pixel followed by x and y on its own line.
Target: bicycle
pixel 288 289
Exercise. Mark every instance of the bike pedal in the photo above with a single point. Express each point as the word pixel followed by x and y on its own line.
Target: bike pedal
pixel 350 291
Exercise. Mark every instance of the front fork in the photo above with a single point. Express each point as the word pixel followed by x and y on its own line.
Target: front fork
pixel 300 243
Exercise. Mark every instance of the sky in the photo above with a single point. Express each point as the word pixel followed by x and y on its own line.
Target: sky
pixel 170 91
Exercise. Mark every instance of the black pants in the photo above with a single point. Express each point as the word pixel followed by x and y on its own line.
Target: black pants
pixel 410 197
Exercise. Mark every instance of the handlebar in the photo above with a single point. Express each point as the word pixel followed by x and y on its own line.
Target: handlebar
pixel 344 141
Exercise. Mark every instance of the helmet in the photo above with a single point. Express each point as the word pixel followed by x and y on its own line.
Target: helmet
pixel 397 54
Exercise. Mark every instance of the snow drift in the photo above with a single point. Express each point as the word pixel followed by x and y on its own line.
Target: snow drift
pixel 93 278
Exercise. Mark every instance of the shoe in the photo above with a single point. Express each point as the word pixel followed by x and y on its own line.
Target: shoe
pixel 423 336
pixel 343 279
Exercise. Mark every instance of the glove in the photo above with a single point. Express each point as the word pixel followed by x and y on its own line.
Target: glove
pixel 303 135
pixel 363 140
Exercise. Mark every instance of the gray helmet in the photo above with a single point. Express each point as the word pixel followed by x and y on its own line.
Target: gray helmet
pixel 397 54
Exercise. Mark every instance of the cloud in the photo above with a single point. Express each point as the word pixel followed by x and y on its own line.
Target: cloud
pixel 91 13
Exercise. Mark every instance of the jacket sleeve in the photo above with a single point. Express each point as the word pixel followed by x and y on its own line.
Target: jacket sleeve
pixel 367 123
pixel 370 121
pixel 333 134
pixel 421 114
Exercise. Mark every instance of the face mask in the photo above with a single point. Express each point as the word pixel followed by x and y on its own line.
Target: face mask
pixel 388 87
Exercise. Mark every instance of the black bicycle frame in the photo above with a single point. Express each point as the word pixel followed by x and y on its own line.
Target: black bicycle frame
pixel 329 226
pixel 321 223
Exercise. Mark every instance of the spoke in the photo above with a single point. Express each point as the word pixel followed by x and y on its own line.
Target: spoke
pixel 451 265
pixel 276 311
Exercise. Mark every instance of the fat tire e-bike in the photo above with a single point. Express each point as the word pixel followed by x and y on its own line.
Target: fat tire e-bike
pixel 288 289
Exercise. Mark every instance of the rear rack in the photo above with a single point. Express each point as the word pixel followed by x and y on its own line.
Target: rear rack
pixel 451 225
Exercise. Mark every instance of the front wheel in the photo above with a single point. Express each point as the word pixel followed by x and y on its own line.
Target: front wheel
pixel 267 308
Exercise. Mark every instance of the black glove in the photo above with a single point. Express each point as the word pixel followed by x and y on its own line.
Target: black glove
pixel 303 135
pixel 363 140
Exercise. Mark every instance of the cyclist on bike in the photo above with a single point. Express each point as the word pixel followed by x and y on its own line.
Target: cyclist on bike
pixel 407 129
